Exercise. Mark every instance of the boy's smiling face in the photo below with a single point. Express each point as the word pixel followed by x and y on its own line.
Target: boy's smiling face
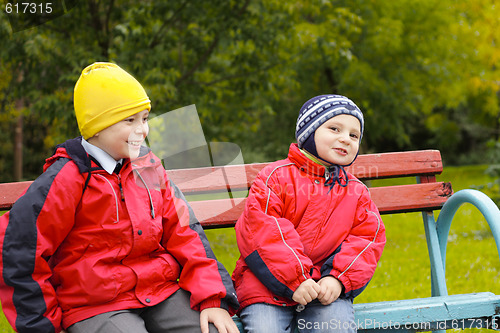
pixel 123 139
pixel 337 139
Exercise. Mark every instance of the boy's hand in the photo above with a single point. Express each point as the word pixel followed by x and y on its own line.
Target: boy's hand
pixel 330 290
pixel 220 318
pixel 306 292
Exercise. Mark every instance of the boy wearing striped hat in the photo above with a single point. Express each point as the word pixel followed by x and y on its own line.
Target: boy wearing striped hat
pixel 103 241
pixel 310 236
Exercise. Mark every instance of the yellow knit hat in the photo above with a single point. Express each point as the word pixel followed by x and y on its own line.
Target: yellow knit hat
pixel 104 95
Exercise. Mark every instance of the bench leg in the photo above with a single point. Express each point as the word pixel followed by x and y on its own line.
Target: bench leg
pixel 238 323
pixel 438 280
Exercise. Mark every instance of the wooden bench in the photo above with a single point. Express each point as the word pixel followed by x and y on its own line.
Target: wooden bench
pixel 217 195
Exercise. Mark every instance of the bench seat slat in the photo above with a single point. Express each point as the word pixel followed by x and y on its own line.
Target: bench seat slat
pixel 455 310
pixel 213 179
pixel 465 311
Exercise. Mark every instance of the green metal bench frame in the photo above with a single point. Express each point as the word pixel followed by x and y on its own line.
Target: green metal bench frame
pixel 441 311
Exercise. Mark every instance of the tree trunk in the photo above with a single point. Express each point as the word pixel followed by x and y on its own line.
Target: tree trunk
pixel 18 143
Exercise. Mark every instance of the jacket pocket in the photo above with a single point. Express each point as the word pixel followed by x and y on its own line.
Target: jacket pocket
pixel 155 273
pixel 89 281
pixel 169 267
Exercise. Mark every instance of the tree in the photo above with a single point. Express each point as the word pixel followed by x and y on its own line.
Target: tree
pixel 184 53
pixel 248 66
pixel 406 66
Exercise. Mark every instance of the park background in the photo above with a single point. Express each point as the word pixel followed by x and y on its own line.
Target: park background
pixel 426 74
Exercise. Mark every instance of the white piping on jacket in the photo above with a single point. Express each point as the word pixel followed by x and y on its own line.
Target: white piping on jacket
pixel 116 197
pixel 267 180
pixel 276 220
pixel 374 238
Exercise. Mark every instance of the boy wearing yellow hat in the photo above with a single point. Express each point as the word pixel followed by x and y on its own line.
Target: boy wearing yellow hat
pixel 103 241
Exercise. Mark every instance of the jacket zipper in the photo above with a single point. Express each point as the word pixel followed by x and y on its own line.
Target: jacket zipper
pixel 151 205
pixel 121 188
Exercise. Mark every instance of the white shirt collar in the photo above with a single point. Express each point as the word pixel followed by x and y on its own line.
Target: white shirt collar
pixel 107 162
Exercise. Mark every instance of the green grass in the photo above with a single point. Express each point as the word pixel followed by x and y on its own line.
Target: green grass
pixel 472 263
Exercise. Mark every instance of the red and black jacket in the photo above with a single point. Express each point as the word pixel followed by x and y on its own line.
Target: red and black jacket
pixel 81 242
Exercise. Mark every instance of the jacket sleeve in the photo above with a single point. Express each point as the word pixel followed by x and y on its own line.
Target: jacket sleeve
pixel 202 274
pixel 269 243
pixel 29 235
pixel 355 260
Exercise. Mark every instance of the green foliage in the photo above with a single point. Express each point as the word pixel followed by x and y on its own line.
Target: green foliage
pixel 492 188
pixel 412 66
pixel 424 72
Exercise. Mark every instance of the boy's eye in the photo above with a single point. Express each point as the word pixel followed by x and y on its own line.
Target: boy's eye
pixel 354 136
pixel 333 128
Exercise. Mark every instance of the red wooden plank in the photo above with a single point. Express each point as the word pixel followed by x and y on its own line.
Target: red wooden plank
pixel 410 198
pixel 370 166
pixel 224 212
pixel 389 199
pixel 9 192
pixel 398 164
pixel 231 177
pixel 218 213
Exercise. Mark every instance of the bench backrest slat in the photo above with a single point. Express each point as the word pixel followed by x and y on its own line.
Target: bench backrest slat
pixel 369 166
pixel 9 192
pixel 214 179
pixel 398 164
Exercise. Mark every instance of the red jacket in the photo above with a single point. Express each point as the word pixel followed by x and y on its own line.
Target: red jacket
pixel 294 228
pixel 81 242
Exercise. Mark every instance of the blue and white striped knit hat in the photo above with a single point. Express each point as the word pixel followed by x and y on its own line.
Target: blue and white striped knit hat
pixel 319 109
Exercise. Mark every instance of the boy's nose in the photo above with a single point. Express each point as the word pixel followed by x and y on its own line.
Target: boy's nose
pixel 344 138
pixel 141 128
